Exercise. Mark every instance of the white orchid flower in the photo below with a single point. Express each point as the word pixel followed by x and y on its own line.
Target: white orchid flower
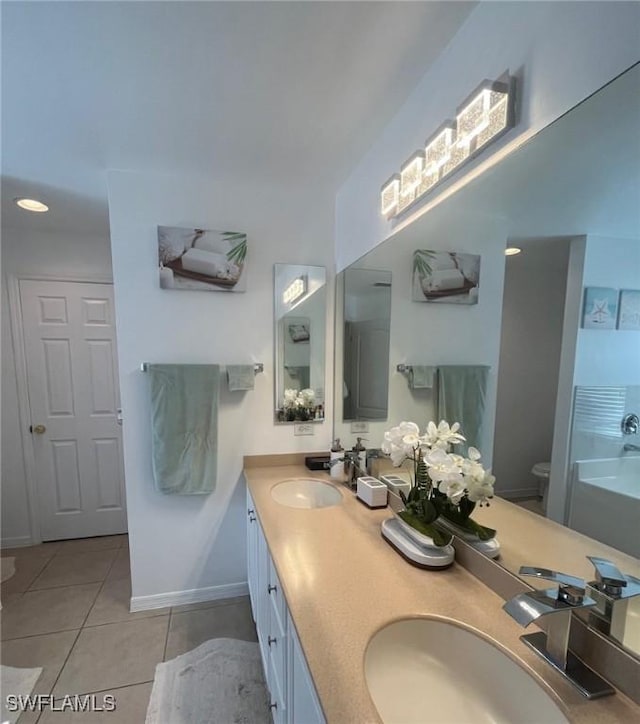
pixel 474 453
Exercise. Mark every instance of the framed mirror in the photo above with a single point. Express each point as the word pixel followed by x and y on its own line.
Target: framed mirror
pixel 300 310
pixel 558 386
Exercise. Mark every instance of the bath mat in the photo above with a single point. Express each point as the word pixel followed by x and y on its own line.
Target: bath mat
pixel 18 682
pixel 219 682
pixel 7 568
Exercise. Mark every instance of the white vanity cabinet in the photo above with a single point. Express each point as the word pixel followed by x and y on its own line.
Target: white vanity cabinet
pixel 293 698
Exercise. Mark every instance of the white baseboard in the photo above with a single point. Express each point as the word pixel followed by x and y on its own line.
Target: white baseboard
pixel 18 542
pixel 516 494
pixel 194 595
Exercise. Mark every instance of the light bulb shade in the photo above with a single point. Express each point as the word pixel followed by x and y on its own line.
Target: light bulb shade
pixel 484 116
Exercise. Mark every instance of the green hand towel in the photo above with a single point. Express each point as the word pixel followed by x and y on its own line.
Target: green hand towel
pixel 421 377
pixel 240 377
pixel 462 393
pixel 184 427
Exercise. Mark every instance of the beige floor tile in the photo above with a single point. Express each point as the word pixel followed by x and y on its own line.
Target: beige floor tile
pixel 48 611
pixel 114 655
pixel 121 567
pixel 47 550
pixel 131 708
pixel 87 545
pixel 49 651
pixel 209 604
pixel 192 628
pixel 27 569
pixel 69 570
pixel 112 605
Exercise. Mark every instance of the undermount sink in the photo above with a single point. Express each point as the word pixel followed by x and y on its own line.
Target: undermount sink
pixel 429 670
pixel 306 493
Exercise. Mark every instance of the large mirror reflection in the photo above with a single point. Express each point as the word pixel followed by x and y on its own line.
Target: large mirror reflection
pixel 559 342
pixel 300 325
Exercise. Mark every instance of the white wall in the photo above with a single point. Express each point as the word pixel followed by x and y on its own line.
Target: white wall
pixel 532 315
pixel 561 52
pixel 184 543
pixel 34 253
pixel 436 334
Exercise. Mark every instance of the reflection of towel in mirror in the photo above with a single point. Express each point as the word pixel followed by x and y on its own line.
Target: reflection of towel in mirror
pixel 240 377
pixel 439 281
pixel 461 398
pixel 421 377
pixel 184 427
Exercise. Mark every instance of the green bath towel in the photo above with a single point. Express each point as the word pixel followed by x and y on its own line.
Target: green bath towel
pixel 462 391
pixel 184 427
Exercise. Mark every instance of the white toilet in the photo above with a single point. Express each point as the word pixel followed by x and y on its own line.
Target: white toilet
pixel 542 471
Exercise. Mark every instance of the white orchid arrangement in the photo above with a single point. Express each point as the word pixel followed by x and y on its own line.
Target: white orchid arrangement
pixel 445 484
pixel 294 399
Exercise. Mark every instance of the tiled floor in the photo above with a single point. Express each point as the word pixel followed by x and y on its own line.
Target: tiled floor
pixel 66 609
pixel 532 504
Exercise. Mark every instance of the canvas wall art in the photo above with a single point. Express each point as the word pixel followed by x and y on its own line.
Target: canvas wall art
pixel 629 314
pixel 201 259
pixel 600 308
pixel 445 277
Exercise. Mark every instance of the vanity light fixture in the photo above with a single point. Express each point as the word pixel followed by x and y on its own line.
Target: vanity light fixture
pixel 483 117
pixel 512 250
pixel 32 205
pixel 295 290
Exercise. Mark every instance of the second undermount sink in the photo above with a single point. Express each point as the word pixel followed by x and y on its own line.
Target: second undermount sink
pixel 429 670
pixel 306 493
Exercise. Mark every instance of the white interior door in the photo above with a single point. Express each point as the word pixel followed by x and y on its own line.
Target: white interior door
pixel 70 348
pixel 367 366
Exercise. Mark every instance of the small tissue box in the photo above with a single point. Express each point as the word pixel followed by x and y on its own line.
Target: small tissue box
pixel 372 492
pixel 396 484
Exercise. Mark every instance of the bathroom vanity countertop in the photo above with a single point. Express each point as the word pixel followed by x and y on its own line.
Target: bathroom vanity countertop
pixel 343 583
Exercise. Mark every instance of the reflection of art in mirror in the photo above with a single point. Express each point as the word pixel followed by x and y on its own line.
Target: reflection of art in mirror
pixel 367 319
pixel 201 259
pixel 300 311
pixel 299 332
pixel 445 276
pixel 629 315
pixel 600 308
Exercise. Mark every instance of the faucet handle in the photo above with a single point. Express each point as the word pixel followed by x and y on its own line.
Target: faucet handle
pixel 571 589
pixel 608 576
pixel 610 580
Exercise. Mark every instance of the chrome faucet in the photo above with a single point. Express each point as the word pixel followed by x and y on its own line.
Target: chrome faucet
pixel 351 468
pixel 553 646
pixel 612 591
pixel 630 447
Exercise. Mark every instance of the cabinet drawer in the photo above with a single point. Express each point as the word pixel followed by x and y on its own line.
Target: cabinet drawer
pixel 277 700
pixel 276 595
pixel 277 645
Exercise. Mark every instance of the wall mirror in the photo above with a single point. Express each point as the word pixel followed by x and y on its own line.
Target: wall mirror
pixel 366 318
pixel 557 388
pixel 300 310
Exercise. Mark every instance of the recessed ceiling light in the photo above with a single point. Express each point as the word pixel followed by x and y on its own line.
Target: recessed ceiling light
pixel 511 250
pixel 32 205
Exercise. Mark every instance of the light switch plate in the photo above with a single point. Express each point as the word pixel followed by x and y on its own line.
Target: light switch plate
pixel 303 428
pixel 359 427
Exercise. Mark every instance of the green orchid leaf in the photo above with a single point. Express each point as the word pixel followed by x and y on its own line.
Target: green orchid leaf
pixel 439 537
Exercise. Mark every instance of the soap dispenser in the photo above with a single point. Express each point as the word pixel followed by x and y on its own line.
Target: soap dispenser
pixel 361 453
pixel 336 462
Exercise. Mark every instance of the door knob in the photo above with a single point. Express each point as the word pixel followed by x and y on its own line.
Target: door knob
pixel 38 429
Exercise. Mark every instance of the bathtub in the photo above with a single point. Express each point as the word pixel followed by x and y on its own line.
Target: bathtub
pixel 605 501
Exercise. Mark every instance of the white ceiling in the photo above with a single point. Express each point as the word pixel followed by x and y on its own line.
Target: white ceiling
pixel 284 93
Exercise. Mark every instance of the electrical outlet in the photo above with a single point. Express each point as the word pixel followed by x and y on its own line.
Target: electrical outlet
pixel 359 427
pixel 303 428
